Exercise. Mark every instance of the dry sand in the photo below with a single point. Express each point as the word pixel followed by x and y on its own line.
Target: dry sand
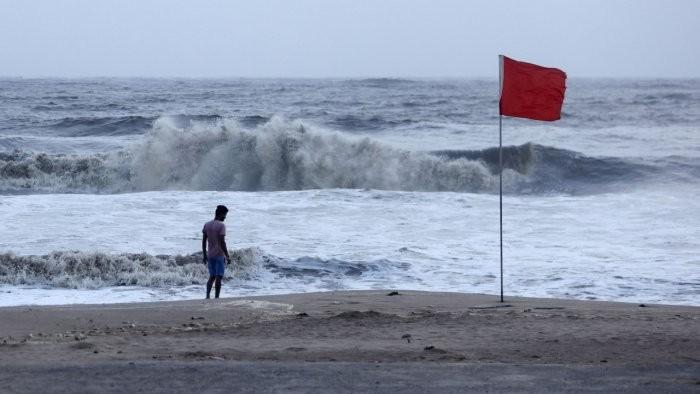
pixel 352 340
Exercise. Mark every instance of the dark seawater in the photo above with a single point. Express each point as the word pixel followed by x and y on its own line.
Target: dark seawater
pixel 111 135
pixel 346 184
pixel 108 107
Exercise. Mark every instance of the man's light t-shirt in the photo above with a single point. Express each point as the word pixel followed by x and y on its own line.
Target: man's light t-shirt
pixel 213 229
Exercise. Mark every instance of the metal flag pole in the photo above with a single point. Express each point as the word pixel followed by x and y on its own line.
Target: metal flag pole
pixel 500 190
pixel 500 162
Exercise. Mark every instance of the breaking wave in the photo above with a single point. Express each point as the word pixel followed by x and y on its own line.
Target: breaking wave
pixel 551 169
pixel 74 269
pixel 220 154
pixel 95 270
pixel 277 155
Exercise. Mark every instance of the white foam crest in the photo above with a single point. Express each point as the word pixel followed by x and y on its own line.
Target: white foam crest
pixel 284 155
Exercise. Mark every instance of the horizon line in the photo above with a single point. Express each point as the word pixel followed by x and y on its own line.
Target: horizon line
pixel 230 77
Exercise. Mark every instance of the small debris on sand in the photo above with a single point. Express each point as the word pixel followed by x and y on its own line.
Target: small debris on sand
pixel 358 314
pixel 491 306
pixel 548 308
pixel 433 349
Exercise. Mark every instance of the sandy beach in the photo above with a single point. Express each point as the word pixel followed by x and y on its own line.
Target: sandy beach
pixel 359 180
pixel 352 340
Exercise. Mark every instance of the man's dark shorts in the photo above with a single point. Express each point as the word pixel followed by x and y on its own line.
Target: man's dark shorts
pixel 216 265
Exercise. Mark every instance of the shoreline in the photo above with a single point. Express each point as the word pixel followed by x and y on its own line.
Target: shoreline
pixel 485 297
pixel 14 291
pixel 357 327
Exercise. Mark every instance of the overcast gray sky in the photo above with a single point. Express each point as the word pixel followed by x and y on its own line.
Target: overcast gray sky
pixel 347 38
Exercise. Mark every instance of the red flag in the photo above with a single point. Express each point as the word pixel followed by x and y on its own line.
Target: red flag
pixel 531 91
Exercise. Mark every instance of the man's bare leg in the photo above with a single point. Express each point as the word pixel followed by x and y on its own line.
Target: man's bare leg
pixel 218 286
pixel 210 282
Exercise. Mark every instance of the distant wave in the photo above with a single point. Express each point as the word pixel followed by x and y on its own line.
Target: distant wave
pixel 110 126
pixel 220 154
pixel 379 82
pixel 360 123
pixel 253 120
pixel 120 125
pixel 102 126
pixel 63 104
pixel 74 269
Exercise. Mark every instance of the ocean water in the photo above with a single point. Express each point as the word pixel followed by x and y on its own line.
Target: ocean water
pixel 346 184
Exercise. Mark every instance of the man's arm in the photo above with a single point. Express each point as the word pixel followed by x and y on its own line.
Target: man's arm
pixel 204 247
pixel 222 242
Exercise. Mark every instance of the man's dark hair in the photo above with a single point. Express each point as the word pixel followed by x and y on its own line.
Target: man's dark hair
pixel 221 210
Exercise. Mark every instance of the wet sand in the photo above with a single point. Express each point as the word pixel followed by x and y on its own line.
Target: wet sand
pixel 422 339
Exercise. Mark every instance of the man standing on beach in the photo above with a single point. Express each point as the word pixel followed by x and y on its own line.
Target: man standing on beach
pixel 213 235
